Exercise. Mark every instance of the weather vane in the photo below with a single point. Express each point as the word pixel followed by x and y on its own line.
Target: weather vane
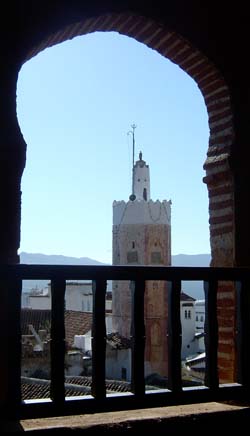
pixel 132 132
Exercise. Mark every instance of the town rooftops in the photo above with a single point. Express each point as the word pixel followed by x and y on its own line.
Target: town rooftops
pixel 33 388
pixel 186 297
pixel 76 322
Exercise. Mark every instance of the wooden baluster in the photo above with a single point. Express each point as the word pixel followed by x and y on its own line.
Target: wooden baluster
pixel 57 340
pixel 174 336
pixel 211 334
pixel 243 333
pixel 10 335
pixel 99 339
pixel 138 337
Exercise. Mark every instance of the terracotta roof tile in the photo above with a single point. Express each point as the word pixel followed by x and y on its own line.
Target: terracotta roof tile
pixel 74 386
pixel 76 322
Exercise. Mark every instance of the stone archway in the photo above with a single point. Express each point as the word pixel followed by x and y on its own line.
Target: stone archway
pixel 217 100
pixel 218 178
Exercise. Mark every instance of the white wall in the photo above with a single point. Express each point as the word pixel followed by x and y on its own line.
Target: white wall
pixel 78 297
pixel 42 302
pixel 25 299
pixel 188 329
pixel 199 315
pixel 141 212
pixel 115 361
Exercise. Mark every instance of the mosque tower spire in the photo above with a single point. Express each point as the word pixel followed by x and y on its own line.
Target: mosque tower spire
pixel 142 236
pixel 132 197
pixel 141 179
pixel 140 175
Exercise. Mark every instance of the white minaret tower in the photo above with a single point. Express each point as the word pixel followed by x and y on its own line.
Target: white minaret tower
pixel 140 175
pixel 141 179
pixel 142 236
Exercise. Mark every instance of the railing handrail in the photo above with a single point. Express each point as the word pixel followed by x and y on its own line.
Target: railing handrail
pixel 12 275
pixel 123 272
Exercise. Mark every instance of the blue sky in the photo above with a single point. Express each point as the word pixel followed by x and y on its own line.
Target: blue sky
pixel 75 104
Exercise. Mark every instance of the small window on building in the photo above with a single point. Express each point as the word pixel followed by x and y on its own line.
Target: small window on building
pixel 197 318
pixel 186 314
pixel 189 314
pixel 201 319
pixel 124 374
pixel 132 257
pixel 133 244
pixel 145 195
pixel 156 257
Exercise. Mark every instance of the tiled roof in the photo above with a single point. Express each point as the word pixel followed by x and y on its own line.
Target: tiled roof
pixel 186 297
pixel 40 319
pixel 74 386
pixel 76 322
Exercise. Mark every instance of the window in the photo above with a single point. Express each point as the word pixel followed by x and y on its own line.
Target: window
pixel 186 314
pixel 124 374
pixel 189 314
pixel 156 257
pixel 132 257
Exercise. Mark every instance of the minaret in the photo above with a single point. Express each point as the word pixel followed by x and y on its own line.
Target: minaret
pixel 141 180
pixel 142 236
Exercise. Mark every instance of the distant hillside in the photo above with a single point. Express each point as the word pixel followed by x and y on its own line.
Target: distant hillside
pixel 50 259
pixel 192 288
pixel 55 259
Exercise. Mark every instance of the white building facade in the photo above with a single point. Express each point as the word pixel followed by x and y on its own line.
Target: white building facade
pixel 187 312
pixel 199 315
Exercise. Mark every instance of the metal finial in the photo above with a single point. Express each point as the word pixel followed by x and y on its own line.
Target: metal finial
pixel 132 196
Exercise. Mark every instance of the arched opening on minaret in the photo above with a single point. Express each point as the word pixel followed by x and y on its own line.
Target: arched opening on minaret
pixel 145 196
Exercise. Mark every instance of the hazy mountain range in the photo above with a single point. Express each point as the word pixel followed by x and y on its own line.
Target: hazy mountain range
pixel 192 288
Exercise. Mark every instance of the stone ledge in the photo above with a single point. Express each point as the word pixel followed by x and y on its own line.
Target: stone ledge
pixel 158 419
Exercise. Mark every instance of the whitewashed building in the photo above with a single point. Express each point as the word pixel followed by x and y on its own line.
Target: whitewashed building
pixel 199 315
pixel 187 311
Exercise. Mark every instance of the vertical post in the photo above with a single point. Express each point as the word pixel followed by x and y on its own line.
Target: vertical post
pixel 99 339
pixel 10 335
pixel 174 336
pixel 243 333
pixel 138 337
pixel 57 341
pixel 211 334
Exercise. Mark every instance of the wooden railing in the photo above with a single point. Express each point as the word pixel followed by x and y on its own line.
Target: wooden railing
pixel 11 281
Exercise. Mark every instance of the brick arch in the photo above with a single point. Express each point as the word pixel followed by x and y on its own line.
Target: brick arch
pixel 217 100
